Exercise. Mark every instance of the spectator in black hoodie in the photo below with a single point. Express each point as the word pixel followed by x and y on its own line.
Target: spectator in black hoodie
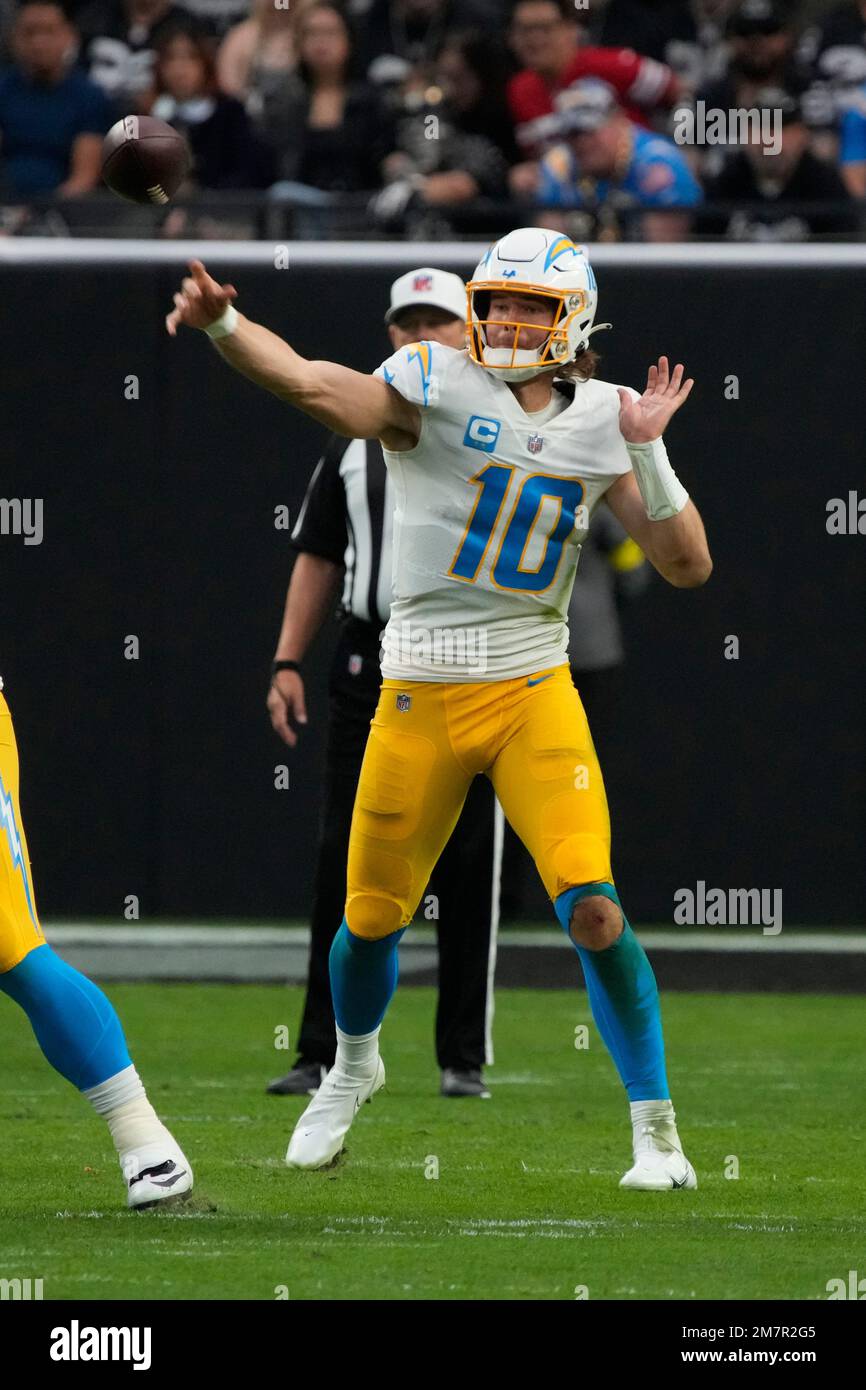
pixel 454 144
pixel 226 152
pixel 760 44
pixel 330 130
pixel 399 39
pixel 118 39
pixel 778 189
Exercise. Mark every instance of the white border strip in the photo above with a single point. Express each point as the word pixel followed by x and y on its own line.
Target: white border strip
pixel 722 939
pixel 348 254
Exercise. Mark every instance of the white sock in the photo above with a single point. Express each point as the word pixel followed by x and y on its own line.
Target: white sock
pixel 658 1113
pixel 357 1054
pixel 132 1120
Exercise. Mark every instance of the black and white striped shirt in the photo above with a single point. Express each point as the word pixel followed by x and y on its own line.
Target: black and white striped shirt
pixel 347 517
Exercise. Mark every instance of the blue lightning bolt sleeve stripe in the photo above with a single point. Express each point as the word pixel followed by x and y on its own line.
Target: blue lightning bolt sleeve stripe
pixel 7 819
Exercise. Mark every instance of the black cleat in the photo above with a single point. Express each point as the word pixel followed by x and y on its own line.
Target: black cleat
pixel 304 1079
pixel 463 1083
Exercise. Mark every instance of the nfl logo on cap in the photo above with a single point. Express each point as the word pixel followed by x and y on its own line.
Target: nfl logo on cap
pixel 403 703
pixel 535 443
pixel 427 288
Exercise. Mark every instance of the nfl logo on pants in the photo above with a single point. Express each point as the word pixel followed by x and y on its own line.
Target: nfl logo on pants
pixel 535 443
pixel 403 703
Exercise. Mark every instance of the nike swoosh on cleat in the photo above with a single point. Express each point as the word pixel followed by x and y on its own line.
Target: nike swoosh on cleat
pixel 169 1182
pixel 152 1173
pixel 540 679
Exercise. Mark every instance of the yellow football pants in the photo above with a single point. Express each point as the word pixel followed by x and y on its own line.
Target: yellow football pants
pixel 19 926
pixel 427 741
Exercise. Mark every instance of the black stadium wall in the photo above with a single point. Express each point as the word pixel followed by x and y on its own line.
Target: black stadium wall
pixel 155 776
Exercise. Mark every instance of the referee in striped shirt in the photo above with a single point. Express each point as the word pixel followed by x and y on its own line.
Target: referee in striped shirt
pixel 344 532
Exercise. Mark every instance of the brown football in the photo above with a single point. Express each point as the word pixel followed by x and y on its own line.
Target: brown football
pixel 144 159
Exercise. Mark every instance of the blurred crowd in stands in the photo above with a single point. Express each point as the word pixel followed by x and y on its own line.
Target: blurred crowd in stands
pixel 656 120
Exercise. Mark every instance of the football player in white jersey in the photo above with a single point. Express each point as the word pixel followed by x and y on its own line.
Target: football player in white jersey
pixel 499 453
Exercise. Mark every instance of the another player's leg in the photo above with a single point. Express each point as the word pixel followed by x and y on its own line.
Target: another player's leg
pixel 409 797
pixel 74 1023
pixel 550 785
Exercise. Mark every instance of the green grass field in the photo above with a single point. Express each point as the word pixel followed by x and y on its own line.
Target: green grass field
pixel 526 1204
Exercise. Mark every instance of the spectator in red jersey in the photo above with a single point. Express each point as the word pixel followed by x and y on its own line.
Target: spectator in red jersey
pixel 546 40
pixel 662 29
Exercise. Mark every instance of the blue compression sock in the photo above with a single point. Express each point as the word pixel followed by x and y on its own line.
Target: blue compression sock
pixel 363 979
pixel 624 999
pixel 75 1024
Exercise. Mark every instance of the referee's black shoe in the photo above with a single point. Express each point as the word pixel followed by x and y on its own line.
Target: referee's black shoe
pixel 463 1083
pixel 304 1079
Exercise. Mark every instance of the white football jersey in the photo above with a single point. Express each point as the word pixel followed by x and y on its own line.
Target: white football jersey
pixel 491 507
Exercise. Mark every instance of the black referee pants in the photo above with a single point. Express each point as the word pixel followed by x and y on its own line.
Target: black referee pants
pixel 465 880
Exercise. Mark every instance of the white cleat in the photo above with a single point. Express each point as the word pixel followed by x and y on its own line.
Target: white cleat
pixel 659 1163
pixel 156 1173
pixel 319 1133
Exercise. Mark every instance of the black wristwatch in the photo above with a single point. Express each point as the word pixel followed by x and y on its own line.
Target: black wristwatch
pixel 277 666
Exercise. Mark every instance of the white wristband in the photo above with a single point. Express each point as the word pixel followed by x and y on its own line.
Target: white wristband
pixel 224 325
pixel 662 492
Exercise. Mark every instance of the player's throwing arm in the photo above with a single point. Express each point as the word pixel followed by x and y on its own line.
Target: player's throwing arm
pixel 350 403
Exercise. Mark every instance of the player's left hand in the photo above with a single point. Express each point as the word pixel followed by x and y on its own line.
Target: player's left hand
pixel 647 418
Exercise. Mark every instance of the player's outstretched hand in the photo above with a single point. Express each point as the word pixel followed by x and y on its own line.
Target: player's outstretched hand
pixel 646 419
pixel 200 300
pixel 286 701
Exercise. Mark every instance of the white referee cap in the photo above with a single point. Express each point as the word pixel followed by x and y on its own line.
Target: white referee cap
pixel 426 286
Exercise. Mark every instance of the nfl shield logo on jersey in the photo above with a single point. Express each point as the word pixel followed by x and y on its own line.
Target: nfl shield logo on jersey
pixel 403 703
pixel 355 664
pixel 535 443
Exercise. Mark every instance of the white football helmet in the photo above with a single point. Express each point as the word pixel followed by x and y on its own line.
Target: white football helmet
pixel 539 262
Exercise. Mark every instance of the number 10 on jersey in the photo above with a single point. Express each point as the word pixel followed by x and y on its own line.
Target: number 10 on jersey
pixel 507 570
